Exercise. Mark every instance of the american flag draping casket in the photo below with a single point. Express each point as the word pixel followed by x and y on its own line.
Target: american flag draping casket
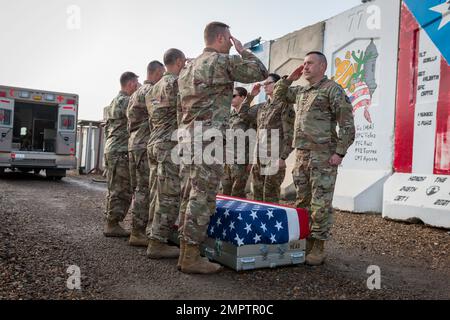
pixel 245 234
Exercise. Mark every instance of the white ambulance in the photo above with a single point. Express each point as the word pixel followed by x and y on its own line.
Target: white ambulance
pixel 37 131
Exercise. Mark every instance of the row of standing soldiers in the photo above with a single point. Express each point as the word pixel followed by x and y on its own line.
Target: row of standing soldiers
pixel 141 152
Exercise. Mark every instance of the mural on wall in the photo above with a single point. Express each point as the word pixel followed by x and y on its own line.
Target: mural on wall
pixel 355 72
pixel 422 135
pixel 356 67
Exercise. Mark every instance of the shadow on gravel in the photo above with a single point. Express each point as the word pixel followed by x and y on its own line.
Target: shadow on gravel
pixel 23 176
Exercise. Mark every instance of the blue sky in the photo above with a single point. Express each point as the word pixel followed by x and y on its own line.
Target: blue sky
pixel 44 47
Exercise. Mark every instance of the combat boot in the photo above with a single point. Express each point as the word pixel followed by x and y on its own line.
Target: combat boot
pixel 114 230
pixel 138 239
pixel 317 255
pixel 309 245
pixel 158 250
pixel 194 263
pixel 182 250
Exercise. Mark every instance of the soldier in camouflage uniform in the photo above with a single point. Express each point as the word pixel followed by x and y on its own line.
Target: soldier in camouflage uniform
pixel 206 89
pixel 139 131
pixel 269 170
pixel 116 158
pixel 320 107
pixel 236 175
pixel 163 108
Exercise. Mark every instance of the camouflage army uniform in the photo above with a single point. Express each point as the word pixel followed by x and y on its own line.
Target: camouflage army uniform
pixel 206 89
pixel 236 175
pixel 319 108
pixel 139 130
pixel 116 159
pixel 271 115
pixel 163 108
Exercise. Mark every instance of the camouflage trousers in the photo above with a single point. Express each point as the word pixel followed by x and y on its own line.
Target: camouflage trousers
pixel 266 188
pixel 152 179
pixel 184 196
pixel 119 194
pixel 201 184
pixel 235 180
pixel 314 181
pixel 139 172
pixel 167 192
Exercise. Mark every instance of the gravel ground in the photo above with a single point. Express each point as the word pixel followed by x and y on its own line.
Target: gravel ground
pixel 48 226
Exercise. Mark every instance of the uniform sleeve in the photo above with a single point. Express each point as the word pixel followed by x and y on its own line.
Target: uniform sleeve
pixel 120 111
pixel 179 109
pixel 148 103
pixel 247 68
pixel 123 104
pixel 175 99
pixel 253 115
pixel 248 113
pixel 171 92
pixel 284 93
pixel 107 122
pixel 129 116
pixel 106 130
pixel 123 107
pixel 288 119
pixel 343 109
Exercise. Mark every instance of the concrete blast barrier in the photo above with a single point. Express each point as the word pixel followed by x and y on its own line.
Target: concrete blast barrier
pixel 420 187
pixel 361 45
pixel 286 54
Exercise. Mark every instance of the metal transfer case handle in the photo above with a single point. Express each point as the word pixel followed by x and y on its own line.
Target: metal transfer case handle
pixel 248 263
pixel 297 257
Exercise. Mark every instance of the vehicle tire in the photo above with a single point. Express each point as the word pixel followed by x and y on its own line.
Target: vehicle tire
pixel 55 174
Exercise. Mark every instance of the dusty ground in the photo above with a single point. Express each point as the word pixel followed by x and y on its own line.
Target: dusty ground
pixel 47 226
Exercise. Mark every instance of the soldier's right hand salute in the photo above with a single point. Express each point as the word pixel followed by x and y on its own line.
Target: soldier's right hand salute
pixel 237 45
pixel 296 74
pixel 256 90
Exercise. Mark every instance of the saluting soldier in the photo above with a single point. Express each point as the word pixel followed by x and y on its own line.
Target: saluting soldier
pixel 206 90
pixel 320 107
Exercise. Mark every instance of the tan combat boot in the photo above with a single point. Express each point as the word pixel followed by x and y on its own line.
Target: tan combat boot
pixel 182 250
pixel 194 263
pixel 138 238
pixel 159 250
pixel 309 245
pixel 317 255
pixel 114 230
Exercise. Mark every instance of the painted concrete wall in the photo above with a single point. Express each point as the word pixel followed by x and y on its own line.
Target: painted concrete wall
pixel 420 187
pixel 288 52
pixel 361 45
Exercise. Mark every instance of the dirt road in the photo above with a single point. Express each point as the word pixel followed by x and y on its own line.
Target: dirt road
pixel 48 226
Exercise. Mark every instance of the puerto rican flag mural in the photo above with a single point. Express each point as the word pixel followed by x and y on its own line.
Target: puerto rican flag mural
pixel 246 222
pixel 422 133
